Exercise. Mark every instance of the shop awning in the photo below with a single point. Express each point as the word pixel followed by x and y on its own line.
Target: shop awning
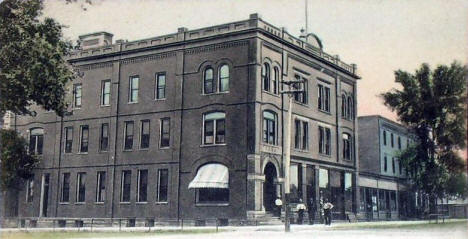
pixel 213 175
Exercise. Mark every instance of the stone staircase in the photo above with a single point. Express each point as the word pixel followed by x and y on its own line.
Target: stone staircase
pixel 269 219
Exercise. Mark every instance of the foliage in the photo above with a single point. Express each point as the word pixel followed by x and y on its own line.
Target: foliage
pixel 16 163
pixel 433 105
pixel 32 65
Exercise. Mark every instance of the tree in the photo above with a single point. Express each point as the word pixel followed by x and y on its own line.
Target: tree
pixel 32 65
pixel 16 163
pixel 432 104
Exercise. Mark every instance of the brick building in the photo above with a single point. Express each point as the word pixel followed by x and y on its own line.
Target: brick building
pixel 190 125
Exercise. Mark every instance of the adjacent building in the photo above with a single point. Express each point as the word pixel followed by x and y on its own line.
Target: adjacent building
pixel 383 182
pixel 191 125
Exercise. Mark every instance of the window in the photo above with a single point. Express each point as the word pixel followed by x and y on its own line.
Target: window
pixel 391 139
pixel 385 163
pixel 126 186
pixel 142 186
pixel 145 134
pixel 212 195
pixel 399 142
pixel 128 144
pixel 350 108
pixel 101 186
pixel 384 137
pixel 65 187
pixel 343 106
pixel 214 128
pixel 163 182
pixel 301 136
pixel 81 187
pixel 323 98
pixel 224 78
pixel 393 165
pixel 346 146
pixel 84 137
pixel 68 139
pixel 269 127
pixel 165 133
pixel 133 89
pixel 36 141
pixel 30 189
pixel 208 84
pixel 105 92
pixel 77 95
pixel 300 96
pixel 266 76
pixel 324 140
pixel 160 86
pixel 275 81
pixel 104 144
pixel 400 167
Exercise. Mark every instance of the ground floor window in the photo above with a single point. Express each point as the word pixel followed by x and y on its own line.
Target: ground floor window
pixel 212 195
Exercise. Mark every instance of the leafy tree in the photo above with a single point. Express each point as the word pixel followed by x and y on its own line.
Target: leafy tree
pixel 433 105
pixel 16 163
pixel 32 65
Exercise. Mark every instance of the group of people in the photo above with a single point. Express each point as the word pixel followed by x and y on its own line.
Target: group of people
pixel 325 210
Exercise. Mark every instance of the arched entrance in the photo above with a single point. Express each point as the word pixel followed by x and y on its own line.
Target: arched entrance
pixel 269 187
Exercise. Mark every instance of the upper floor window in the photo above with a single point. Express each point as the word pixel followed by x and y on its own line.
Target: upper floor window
pixel 142 193
pixel 223 78
pixel 393 165
pixel 384 137
pixel 300 96
pixel 385 163
pixel 36 141
pixel 101 186
pixel 350 108
pixel 104 142
pixel 81 187
pixel 208 84
pixel 105 92
pixel 145 134
pixel 77 95
pixel 165 134
pixel 128 138
pixel 391 140
pixel 160 91
pixel 323 98
pixel 125 187
pixel 133 89
pixel 275 80
pixel 399 142
pixel 163 185
pixel 214 131
pixel 270 124
pixel 324 140
pixel 84 138
pixel 343 106
pixel 266 76
pixel 65 196
pixel 30 189
pixel 68 139
pixel 347 145
pixel 301 134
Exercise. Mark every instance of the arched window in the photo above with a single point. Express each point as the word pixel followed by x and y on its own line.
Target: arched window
pixel 269 127
pixel 36 141
pixel 223 78
pixel 214 128
pixel 347 146
pixel 275 80
pixel 343 106
pixel 266 76
pixel 208 86
pixel 350 108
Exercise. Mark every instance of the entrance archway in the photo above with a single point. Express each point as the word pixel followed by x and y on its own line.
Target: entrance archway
pixel 269 187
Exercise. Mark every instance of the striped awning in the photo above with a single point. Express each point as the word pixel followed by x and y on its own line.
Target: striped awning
pixel 213 175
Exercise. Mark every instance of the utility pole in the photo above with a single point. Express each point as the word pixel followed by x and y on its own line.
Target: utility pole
pixel 287 144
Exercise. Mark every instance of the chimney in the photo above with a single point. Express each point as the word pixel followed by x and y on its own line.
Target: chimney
pixel 96 39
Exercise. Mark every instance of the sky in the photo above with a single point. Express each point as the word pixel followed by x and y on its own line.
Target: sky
pixel 379 36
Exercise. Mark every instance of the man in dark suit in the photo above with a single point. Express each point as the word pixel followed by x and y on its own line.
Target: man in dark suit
pixel 312 208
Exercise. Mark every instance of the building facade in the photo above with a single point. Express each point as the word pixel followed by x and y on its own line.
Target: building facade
pixel 383 184
pixel 191 125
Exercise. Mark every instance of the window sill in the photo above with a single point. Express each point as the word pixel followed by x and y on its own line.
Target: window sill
pixel 127 150
pixel 212 204
pixel 124 203
pixel 162 99
pixel 64 203
pixel 144 149
pixel 325 155
pixel 302 150
pixel 103 151
pixel 216 93
pixel 161 203
pixel 130 103
pixel 300 103
pixel 105 105
pixel 165 147
pixel 271 145
pixel 269 93
pixel 82 153
pixel 99 203
pixel 211 145
pixel 325 112
pixel 80 203
pixel 141 203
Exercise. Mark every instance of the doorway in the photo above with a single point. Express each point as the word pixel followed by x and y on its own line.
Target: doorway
pixel 270 188
pixel 44 195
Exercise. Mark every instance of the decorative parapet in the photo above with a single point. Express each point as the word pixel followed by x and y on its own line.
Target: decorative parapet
pixel 183 34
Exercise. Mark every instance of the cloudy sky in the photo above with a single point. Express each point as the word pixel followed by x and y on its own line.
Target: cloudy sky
pixel 379 36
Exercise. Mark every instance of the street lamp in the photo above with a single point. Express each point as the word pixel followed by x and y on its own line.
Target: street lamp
pixel 298 85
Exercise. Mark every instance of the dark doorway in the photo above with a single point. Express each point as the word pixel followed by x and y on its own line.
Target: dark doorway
pixel 45 195
pixel 269 187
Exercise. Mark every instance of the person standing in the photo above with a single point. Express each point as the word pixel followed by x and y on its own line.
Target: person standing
pixel 327 211
pixel 312 208
pixel 300 211
pixel 278 204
